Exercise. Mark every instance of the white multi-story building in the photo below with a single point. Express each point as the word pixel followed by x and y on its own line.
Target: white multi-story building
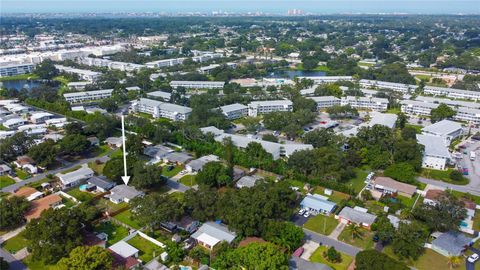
pixel 98 62
pixel 436 154
pixel 327 79
pixel 13 69
pixel 234 111
pixel 451 92
pixel 256 108
pixel 417 107
pixel 467 115
pixel 160 94
pixel 86 75
pixel 165 62
pixel 445 129
pixel 450 102
pixel 161 109
pixel 88 96
pixel 326 101
pixel 78 85
pixel 399 87
pixel 197 84
pixel 366 103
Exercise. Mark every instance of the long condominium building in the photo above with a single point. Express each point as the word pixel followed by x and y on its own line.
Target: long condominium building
pixel 399 87
pixel 88 96
pixel 86 75
pixel 362 103
pixel 451 92
pixel 424 108
pixel 327 79
pixel 234 111
pixel 159 109
pixel 166 62
pixel 15 68
pixel 197 84
pixel 256 108
pixel 99 62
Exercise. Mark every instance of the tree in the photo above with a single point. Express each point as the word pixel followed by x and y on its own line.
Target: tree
pixel 134 145
pixel 54 234
pixel 15 145
pixel 229 157
pixel 455 261
pixel 270 138
pixel 100 125
pixel 354 230
pixel 12 211
pixel 73 128
pixel 309 63
pixel 443 216
pixel 409 239
pixel 371 259
pixel 108 104
pixel 199 254
pixel 402 172
pixel 329 89
pixel 409 133
pixel 401 120
pixel 212 174
pixel 284 234
pixel 202 203
pixel 443 111
pixel 4 265
pixel 44 153
pixel 384 229
pixel 147 176
pixel 456 175
pixel 153 209
pixel 113 169
pixel 321 137
pixel 175 252
pixel 74 144
pixel 46 70
pixel 85 257
pixel 259 256
pixel 333 255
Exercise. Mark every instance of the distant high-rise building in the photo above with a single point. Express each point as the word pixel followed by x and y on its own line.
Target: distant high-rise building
pixel 295 12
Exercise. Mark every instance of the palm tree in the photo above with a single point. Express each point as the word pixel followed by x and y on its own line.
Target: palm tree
pixel 454 261
pixel 355 230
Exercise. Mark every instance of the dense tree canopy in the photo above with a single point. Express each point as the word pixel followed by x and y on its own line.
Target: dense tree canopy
pixel 84 257
pixel 12 212
pixel 374 260
pixel 253 256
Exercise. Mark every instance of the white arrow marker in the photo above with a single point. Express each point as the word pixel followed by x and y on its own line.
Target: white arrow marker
pixel 125 178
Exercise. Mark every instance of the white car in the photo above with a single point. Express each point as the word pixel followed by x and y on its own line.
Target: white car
pixel 307 214
pixel 473 258
pixel 301 211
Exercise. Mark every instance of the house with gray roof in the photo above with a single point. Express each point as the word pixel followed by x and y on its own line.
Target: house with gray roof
pixel 177 157
pixel 297 263
pixel 451 243
pixel 114 142
pixel 446 129
pixel 123 193
pixel 211 233
pixel 4 169
pixel 317 204
pixel 101 184
pixel 356 215
pixel 157 151
pixel 196 165
pixel 124 249
pixel 160 94
pixel 76 177
pixel 248 181
pixel 234 111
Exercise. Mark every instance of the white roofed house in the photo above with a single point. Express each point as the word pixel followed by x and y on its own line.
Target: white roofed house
pixel 211 233
pixel 114 142
pixel 317 204
pixel 196 165
pixel 76 177
pixel 234 111
pixel 248 181
pixel 40 117
pixel 56 122
pixel 14 123
pixel 256 108
pixel 436 153
pixel 159 109
pixel 4 169
pixel 446 129
pixel 123 193
pixel 160 94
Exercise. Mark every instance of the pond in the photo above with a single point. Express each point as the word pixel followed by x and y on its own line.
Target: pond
pixel 294 73
pixel 19 84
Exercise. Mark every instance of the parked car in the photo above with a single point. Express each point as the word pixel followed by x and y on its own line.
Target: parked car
pixel 473 258
pixel 376 238
pixel 301 212
pixel 307 214
pixel 465 171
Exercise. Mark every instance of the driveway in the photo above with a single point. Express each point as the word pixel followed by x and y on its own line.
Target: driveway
pixel 299 220
pixel 325 240
pixel 308 248
pixel 337 231
pixel 176 185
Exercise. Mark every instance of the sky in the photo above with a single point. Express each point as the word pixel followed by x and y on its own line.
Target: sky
pixel 266 6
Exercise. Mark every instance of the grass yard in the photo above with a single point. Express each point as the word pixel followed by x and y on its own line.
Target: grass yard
pixel 19 77
pixel 321 224
pixel 14 244
pixel 80 195
pixel 67 202
pixel 394 110
pixel 101 150
pixel 365 241
pixel 97 168
pixel 358 182
pixel 336 196
pixel 104 205
pixel 115 232
pixel 38 184
pixel 408 202
pixel 116 153
pixel 172 172
pixel 6 181
pixel 317 256
pixel 188 180
pixel 21 174
pixel 443 176
pixel 147 249
pixel 428 260
pixel 61 79
pixel 126 218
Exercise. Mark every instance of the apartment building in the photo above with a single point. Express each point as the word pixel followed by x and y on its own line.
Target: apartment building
pixel 197 84
pixel 15 68
pixel 467 115
pixel 83 74
pixel 234 111
pixel 166 62
pixel 399 87
pixel 161 109
pixel 417 107
pixel 99 62
pixel 88 96
pixel 366 103
pixel 451 92
pixel 436 154
pixel 256 108
pixel 326 101
pixel 327 79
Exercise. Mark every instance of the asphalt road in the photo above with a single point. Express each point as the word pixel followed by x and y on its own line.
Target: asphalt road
pixel 14 263
pixel 176 185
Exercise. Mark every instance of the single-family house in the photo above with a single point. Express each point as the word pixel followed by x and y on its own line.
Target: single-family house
pixel 317 204
pixel 42 204
pixel 157 151
pixel 356 215
pixel 387 185
pixel 177 157
pixel 123 193
pixel 248 181
pixel 76 177
pixel 120 262
pixel 187 224
pixel 196 165
pixel 26 163
pixel 297 263
pixel 123 249
pixel 101 184
pixel 94 141
pixel 211 233
pixel 432 196
pixel 451 243
pixel 114 142
pixel 28 193
pixel 4 169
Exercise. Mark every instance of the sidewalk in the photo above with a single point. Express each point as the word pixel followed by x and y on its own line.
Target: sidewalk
pixel 11 234
pixel 337 231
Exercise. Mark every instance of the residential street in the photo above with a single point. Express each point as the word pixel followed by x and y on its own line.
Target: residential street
pixel 14 263
pixel 325 240
pixel 466 188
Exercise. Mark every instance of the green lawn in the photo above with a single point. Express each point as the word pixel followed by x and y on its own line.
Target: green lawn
pixel 147 249
pixel 443 176
pixel 21 174
pixel 80 195
pixel 317 256
pixel 14 244
pixel 106 205
pixel 72 169
pixel 126 218
pixel 38 183
pixel 358 183
pixel 117 153
pixel 97 168
pixel 67 202
pixel 336 196
pixel 394 110
pixel 115 232
pixel 408 202
pixel 321 224
pixel 188 180
pixel 365 241
pixel 427 261
pixel 101 150
pixel 6 181
pixel 172 172
pixel 61 79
